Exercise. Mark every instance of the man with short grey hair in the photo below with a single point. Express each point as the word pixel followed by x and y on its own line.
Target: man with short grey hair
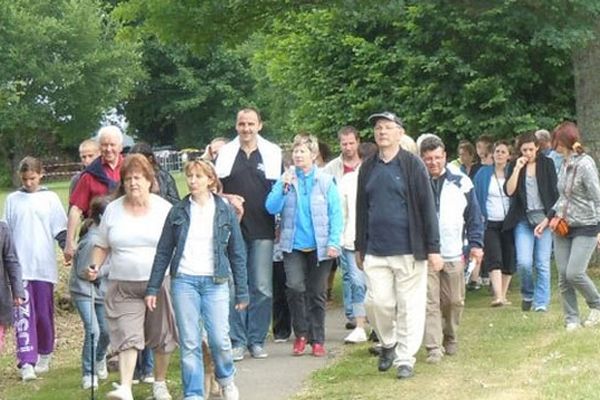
pixel 99 178
pixel 397 236
pixel 459 215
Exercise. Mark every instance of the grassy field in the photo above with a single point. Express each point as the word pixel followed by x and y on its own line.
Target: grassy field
pixel 504 354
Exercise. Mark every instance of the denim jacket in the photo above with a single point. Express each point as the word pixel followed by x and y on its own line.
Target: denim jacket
pixel 228 243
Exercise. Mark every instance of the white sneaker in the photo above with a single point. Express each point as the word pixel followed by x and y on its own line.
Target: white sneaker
pixel 101 369
pixel 147 378
pixel 572 326
pixel 43 364
pixel 358 335
pixel 28 373
pixel 231 392
pixel 593 319
pixel 160 391
pixel 86 381
pixel 120 393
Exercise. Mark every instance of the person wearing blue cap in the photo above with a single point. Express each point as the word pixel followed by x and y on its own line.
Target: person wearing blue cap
pixel 397 237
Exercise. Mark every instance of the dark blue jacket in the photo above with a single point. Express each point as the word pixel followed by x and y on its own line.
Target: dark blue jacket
pixel 228 243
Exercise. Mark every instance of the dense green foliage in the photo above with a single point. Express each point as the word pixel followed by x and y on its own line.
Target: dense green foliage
pixel 186 99
pixel 457 68
pixel 61 70
pixel 178 70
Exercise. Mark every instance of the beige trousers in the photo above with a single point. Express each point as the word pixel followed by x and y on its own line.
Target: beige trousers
pixel 396 301
pixel 445 304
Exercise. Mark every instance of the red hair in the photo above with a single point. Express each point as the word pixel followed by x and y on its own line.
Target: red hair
pixel 567 134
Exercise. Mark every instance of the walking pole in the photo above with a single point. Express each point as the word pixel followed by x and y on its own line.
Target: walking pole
pixel 92 314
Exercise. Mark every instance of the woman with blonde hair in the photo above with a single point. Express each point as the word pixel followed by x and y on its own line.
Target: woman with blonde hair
pixel 311 228
pixel 202 242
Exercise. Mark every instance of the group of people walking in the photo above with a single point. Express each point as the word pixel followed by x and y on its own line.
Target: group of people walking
pixel 151 272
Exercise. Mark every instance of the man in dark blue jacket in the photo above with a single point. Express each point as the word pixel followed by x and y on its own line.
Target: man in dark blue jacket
pixel 397 236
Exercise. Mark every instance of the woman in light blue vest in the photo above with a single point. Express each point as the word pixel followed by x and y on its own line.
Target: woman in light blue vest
pixel 311 229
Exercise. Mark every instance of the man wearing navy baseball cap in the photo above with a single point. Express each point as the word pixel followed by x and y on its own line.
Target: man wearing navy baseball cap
pixel 397 237
pixel 406 142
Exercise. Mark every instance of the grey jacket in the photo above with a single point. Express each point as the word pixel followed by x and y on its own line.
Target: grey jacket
pixel 10 276
pixel 79 286
pixel 579 192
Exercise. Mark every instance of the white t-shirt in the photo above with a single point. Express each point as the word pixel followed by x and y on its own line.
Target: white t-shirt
pixel 197 258
pixel 35 219
pixel 497 201
pixel 132 239
pixel 348 187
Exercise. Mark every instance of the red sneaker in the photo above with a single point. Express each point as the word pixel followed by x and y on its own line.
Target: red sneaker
pixel 318 350
pixel 299 346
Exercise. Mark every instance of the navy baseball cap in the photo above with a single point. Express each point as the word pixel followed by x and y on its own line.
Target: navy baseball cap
pixel 390 116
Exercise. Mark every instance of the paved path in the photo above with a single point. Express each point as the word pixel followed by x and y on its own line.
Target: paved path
pixel 281 375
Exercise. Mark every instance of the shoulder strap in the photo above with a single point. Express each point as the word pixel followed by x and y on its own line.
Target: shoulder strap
pixel 569 191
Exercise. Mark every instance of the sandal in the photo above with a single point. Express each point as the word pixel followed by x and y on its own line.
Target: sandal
pixel 497 303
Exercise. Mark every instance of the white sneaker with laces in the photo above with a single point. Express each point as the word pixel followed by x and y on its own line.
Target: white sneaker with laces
pixel 160 391
pixel 593 319
pixel 231 392
pixel 101 369
pixel 86 381
pixel 120 393
pixel 28 373
pixel 572 326
pixel 358 335
pixel 43 364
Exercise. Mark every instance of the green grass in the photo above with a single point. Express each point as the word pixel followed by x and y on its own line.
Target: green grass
pixel 504 353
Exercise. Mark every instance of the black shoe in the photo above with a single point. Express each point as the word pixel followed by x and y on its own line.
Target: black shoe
pixel 473 286
pixel 405 372
pixel 375 350
pixel 386 358
pixel 351 325
pixel 373 337
pixel 526 305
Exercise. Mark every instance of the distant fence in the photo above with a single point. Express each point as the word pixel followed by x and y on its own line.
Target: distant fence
pixel 171 160
pixel 60 171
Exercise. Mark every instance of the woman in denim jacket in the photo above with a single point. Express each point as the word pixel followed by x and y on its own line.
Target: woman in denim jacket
pixel 202 241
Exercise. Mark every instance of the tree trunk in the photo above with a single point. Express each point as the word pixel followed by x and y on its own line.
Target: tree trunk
pixel 586 61
pixel 587 100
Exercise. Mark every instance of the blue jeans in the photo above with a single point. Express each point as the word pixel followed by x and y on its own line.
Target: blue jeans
pixel 199 305
pixel 533 253
pixel 250 326
pixel 354 281
pixel 145 363
pixel 93 322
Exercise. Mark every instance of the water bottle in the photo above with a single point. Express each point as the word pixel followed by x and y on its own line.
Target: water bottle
pixel 469 270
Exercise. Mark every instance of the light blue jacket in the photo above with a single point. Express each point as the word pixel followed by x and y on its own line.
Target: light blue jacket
pixel 311 212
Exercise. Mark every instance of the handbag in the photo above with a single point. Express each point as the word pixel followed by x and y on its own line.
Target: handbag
pixel 562 226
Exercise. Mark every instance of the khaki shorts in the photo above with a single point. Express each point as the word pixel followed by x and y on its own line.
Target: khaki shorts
pixel 131 325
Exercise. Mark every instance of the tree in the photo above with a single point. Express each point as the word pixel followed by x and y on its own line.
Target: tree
pixel 187 99
pixel 61 69
pixel 419 61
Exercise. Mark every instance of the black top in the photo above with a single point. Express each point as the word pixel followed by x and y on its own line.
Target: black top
pixel 423 227
pixel 545 174
pixel 388 210
pixel 247 179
